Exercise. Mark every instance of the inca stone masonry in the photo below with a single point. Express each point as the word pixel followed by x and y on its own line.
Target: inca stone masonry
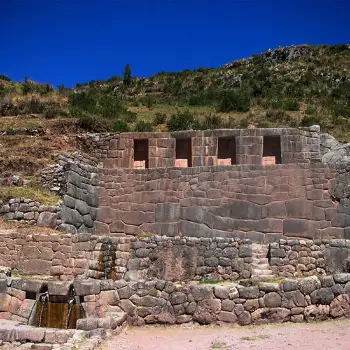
pixel 260 184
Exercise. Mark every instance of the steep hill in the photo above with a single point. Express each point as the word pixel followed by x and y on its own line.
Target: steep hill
pixel 295 85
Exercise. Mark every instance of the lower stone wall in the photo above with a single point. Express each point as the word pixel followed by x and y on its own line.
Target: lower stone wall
pixel 32 212
pixel 294 257
pixel 107 303
pixel 67 256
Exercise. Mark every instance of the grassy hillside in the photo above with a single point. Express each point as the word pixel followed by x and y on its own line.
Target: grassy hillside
pixel 288 86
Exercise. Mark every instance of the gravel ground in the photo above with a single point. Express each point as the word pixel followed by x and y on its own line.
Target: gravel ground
pixel 332 335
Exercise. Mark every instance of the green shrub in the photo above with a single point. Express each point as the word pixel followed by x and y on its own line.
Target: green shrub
pixel 83 101
pixel 234 101
pixel 159 118
pixel 291 105
pixel 52 110
pixel 182 121
pixel 5 77
pixel 309 120
pixel 121 126
pixel 87 122
pixel 109 107
pixel 142 126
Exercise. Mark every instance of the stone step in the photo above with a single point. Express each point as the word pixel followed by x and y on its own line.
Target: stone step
pixel 260 261
pixel 264 278
pixel 260 255
pixel 261 267
pixel 261 272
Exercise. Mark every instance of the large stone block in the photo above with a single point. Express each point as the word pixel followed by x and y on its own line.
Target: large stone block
pixel 239 209
pixel 86 287
pixel 299 208
pixel 47 219
pixel 298 228
pixel 107 215
pixel 167 212
pixel 71 216
pixel 276 210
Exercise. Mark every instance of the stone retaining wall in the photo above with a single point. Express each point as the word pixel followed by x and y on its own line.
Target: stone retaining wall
pixel 158 301
pixel 262 203
pixel 54 177
pixel 66 257
pixel 32 212
pixel 294 257
pixel 81 198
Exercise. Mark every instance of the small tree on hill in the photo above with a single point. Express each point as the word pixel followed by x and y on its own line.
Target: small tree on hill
pixel 127 75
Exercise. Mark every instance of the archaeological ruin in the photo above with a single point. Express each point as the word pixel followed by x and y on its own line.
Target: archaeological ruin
pixel 218 226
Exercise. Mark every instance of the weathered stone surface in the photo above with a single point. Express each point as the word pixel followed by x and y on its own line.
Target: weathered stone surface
pixel 340 306
pixel 298 228
pixel 272 300
pixel 248 292
pixel 309 284
pixel 206 311
pixel 290 285
pixel 265 315
pixel 221 292
pixel 244 318
pixel 316 313
pixel 86 287
pixel 47 219
pixel 342 277
pixel 226 316
pixel 322 296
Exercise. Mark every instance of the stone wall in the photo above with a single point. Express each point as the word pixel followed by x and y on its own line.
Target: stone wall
pixel 299 145
pixel 80 199
pixel 31 212
pixel 66 256
pixel 54 177
pixel 262 203
pixel 294 257
pixel 159 301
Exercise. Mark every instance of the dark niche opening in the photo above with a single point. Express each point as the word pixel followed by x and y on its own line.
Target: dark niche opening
pixel 141 154
pixel 272 150
pixel 183 153
pixel 227 151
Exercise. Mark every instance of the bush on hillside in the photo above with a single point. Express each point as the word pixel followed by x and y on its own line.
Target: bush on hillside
pixel 5 77
pixel 183 121
pixel 109 107
pixel 142 126
pixel 121 126
pixel 234 101
pixel 159 118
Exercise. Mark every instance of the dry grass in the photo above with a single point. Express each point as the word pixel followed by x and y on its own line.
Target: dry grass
pixel 35 194
pixel 25 228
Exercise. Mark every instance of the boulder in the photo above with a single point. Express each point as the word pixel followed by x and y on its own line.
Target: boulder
pixel 206 311
pixel 316 313
pixel 340 306
pixel 322 296
pixel 47 219
pixel 268 315
pixel 272 299
pixel 309 284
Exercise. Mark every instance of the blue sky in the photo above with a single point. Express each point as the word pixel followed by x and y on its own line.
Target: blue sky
pixel 65 42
